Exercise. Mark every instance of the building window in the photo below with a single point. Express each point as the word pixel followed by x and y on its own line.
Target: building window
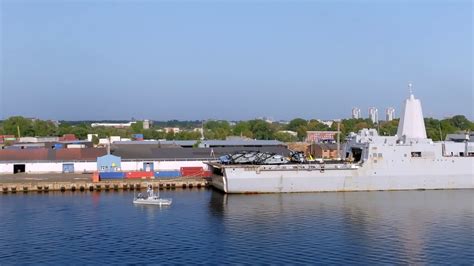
pixel 416 154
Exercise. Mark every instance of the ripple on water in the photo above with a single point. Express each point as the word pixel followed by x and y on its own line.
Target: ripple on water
pixel 208 227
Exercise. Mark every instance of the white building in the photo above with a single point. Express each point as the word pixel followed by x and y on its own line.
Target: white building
pixel 374 114
pixel 116 125
pixel 146 124
pixel 356 114
pixel 389 113
pixel 171 129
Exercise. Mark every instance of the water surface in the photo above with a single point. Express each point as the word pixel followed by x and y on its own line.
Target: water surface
pixel 205 226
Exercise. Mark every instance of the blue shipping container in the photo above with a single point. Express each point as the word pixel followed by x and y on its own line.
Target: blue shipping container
pixel 58 146
pixel 111 175
pixel 162 174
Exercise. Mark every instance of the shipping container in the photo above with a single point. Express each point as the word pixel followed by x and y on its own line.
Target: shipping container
pixel 58 146
pixel 191 171
pixel 199 174
pixel 76 146
pixel 95 177
pixel 111 175
pixel 168 173
pixel 140 174
pixel 138 136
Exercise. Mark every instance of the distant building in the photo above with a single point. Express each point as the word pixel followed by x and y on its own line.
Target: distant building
pixel 146 124
pixel 320 136
pixel 323 150
pixel 326 122
pixel 356 113
pixel 109 163
pixel 293 133
pixel 115 125
pixel 389 113
pixel 374 114
pixel 171 129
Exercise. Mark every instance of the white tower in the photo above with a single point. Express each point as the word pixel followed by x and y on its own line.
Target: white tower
pixel 374 114
pixel 389 113
pixel 411 123
pixel 356 113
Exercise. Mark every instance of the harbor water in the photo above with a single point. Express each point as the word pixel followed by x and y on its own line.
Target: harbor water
pixel 208 227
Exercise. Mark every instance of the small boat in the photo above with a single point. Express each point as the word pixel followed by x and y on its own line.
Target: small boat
pixel 151 198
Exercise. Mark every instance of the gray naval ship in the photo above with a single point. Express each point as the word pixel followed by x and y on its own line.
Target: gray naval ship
pixel 407 161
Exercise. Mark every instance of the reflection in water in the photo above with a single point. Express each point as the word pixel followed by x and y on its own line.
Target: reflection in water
pixel 209 227
pixel 402 224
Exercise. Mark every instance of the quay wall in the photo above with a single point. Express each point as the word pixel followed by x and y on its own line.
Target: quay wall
pixel 45 186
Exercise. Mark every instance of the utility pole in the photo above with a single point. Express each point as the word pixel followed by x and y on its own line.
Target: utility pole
pixel 18 130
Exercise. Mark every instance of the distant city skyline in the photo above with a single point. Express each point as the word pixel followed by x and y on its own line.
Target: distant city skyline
pixel 160 60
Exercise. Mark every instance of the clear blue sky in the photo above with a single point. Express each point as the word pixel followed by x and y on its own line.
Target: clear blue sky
pixel 234 60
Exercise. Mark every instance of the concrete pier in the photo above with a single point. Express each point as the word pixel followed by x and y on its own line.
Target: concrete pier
pixel 46 183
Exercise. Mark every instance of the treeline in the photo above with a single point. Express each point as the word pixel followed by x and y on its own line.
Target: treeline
pixel 255 129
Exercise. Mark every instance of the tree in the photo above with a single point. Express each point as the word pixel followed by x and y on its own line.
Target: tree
pixel 44 128
pixel 12 124
pixel 95 140
pixel 137 127
pixel 315 125
pixel 285 137
pixel 217 129
pixel 461 122
pixel 261 129
pixel 243 129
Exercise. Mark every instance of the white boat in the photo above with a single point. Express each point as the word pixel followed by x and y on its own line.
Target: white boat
pixel 151 198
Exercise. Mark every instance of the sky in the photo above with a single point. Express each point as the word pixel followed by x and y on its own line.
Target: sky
pixel 234 60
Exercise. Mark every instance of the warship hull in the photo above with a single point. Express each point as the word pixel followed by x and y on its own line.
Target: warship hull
pixel 451 174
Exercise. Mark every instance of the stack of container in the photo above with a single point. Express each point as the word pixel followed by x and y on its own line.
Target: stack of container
pixel 194 172
pixel 111 175
pixel 139 175
pixel 138 137
pixel 168 174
